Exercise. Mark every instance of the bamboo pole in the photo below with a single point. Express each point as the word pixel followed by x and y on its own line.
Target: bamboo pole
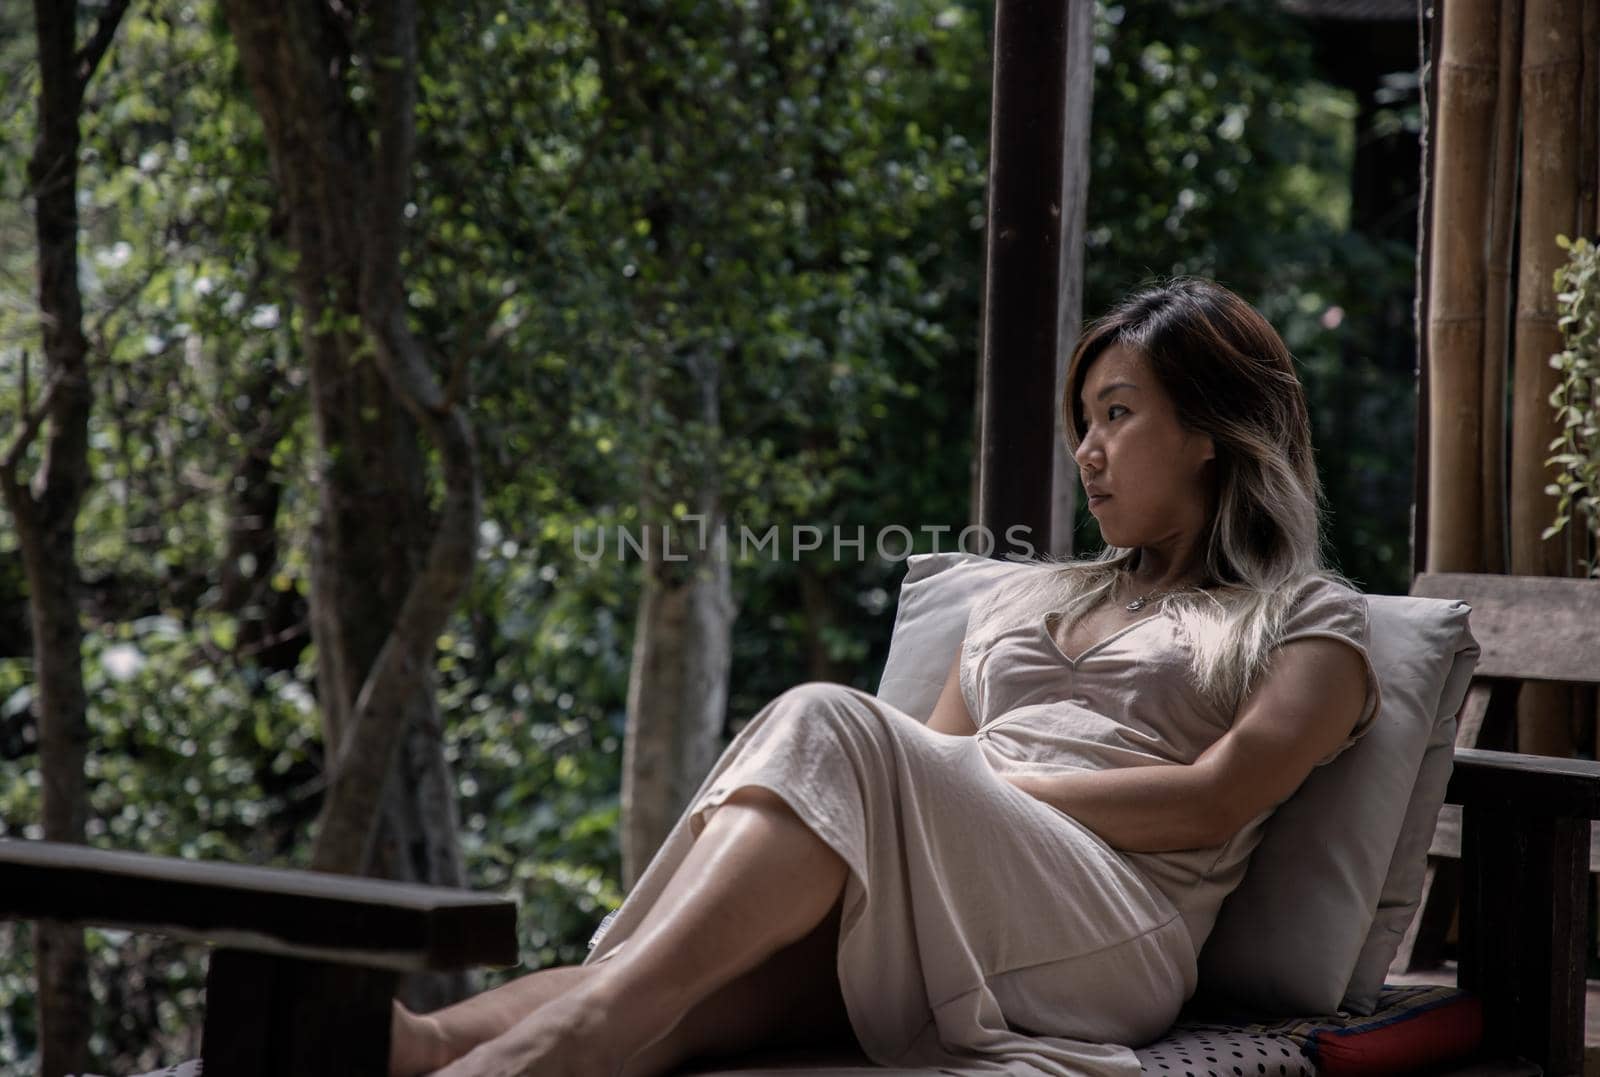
pixel 1552 70
pixel 1468 76
pixel 1429 27
pixel 1589 123
pixel 1498 293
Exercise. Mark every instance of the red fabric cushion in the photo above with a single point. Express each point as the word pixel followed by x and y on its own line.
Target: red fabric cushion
pixel 1401 1038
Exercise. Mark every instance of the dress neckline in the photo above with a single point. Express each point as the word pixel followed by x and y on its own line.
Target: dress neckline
pixel 1050 637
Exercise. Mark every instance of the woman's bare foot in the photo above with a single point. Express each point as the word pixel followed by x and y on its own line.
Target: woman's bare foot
pixel 416 1043
pixel 567 1037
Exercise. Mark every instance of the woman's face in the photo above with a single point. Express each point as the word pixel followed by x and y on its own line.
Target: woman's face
pixel 1147 478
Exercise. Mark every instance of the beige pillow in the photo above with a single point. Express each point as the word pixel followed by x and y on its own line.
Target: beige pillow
pixel 930 621
pixel 1446 625
pixel 1332 886
pixel 1303 932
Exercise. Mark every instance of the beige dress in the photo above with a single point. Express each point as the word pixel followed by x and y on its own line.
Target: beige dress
pixel 982 930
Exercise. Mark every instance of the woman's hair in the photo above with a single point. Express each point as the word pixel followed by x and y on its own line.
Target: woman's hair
pixel 1230 376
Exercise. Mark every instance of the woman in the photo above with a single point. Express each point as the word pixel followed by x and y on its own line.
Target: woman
pixel 1021 885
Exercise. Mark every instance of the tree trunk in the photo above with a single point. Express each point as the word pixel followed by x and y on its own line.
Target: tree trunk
pixel 1552 69
pixel 44 509
pixel 1463 132
pixel 678 681
pixel 386 571
pixel 818 610
pixel 677 701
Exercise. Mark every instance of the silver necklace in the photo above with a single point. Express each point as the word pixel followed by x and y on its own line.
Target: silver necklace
pixel 1143 600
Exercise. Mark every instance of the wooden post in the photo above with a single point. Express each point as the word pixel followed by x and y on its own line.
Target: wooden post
pixel 268 1014
pixel 1523 921
pixel 1023 268
pixel 1463 132
pixel 1074 203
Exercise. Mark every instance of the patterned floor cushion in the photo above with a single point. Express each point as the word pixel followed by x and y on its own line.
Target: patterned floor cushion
pixel 1202 1049
pixel 1411 1028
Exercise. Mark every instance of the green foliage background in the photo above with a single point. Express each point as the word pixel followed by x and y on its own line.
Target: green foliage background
pixel 798 197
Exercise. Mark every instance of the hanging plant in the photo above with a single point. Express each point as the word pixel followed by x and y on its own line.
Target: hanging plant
pixel 1577 396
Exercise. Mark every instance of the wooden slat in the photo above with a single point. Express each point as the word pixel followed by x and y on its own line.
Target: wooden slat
pixel 1423 945
pixel 268 1015
pixel 308 914
pixel 1517 784
pixel 1470 721
pixel 1487 720
pixel 1532 628
pixel 1524 909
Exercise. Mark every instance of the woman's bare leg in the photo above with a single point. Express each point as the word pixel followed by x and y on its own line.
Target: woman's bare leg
pixel 791 998
pixel 756 880
pixel 421 1043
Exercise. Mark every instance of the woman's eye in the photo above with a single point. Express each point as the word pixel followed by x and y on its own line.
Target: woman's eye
pixel 1111 412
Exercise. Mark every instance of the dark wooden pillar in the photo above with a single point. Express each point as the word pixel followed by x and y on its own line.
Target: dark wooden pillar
pixel 1023 272
pixel 268 1014
pixel 1524 931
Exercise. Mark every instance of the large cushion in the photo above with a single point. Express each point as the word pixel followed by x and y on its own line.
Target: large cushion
pixel 1402 888
pixel 930 621
pixel 1338 873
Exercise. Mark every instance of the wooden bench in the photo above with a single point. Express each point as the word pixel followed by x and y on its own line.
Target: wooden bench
pixel 1523 835
pixel 305 963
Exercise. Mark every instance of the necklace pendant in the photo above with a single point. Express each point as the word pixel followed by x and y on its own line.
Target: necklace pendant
pixel 1136 605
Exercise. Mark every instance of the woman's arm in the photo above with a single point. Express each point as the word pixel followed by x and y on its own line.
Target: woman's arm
pixel 1304 708
pixel 950 714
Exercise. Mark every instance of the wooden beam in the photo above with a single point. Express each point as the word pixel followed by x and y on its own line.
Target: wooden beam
pixel 304 914
pixel 1530 628
pixel 1023 268
pixel 1520 788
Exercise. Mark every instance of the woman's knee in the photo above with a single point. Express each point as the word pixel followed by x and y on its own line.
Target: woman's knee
pixel 823 694
pixel 839 707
